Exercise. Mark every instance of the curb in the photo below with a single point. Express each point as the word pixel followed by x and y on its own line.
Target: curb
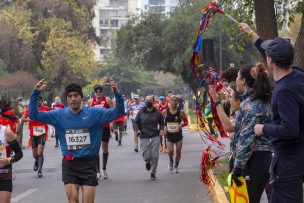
pixel 217 192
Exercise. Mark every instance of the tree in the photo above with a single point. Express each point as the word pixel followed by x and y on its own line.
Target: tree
pixel 271 15
pixel 155 42
pixel 129 77
pixel 16 84
pixel 51 39
pixel 299 44
pixel 265 18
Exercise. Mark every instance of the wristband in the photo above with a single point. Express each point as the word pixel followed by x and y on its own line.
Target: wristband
pixel 250 33
pixel 9 161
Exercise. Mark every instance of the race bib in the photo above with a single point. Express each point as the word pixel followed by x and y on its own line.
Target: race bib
pixel 38 130
pixel 77 138
pixel 172 127
pixel 2 152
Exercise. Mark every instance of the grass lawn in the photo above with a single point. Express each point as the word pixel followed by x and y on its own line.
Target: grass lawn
pixel 192 116
pixel 221 173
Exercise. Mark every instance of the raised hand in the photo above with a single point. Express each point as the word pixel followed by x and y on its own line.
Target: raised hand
pixel 245 28
pixel 214 95
pixel 40 85
pixel 113 85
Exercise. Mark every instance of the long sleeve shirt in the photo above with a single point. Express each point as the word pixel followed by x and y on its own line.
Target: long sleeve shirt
pixel 287 127
pixel 79 134
pixel 245 141
pixel 149 123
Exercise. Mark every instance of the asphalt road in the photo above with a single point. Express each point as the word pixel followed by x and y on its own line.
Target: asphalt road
pixel 128 181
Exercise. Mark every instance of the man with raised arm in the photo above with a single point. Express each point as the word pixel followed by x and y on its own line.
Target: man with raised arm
pixel 80 134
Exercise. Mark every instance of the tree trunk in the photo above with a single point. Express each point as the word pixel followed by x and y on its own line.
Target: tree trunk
pixel 265 18
pixel 299 46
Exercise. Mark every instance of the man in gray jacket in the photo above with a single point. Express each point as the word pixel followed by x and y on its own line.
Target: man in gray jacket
pixel 149 124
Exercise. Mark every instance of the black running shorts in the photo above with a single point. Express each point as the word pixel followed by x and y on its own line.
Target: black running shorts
pixel 174 138
pixel 119 125
pixel 106 135
pixel 6 185
pixel 38 140
pixel 80 171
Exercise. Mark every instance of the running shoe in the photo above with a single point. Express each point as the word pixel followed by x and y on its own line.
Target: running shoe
pixel 175 169
pixel 136 149
pixel 153 177
pixel 98 176
pixel 104 174
pixel 119 142
pixel 39 175
pixel 56 145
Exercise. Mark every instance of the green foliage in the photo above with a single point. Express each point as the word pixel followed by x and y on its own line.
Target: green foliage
pixel 18 17
pixel 154 42
pixel 129 77
pixel 243 10
pixel 58 36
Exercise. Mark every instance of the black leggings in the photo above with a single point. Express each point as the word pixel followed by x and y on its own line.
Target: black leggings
pixel 258 169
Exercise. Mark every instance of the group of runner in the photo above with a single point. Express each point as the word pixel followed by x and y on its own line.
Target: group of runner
pixel 77 129
pixel 261 149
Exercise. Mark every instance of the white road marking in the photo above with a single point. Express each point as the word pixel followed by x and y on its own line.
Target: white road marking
pixel 23 195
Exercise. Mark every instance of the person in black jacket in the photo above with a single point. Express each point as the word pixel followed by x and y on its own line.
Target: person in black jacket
pixel 287 127
pixel 149 125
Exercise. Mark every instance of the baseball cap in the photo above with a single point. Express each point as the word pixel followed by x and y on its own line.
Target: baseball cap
pixel 280 50
pixel 162 97
pixel 98 87
pixel 136 97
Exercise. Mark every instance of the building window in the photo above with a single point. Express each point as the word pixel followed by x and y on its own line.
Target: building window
pixel 103 32
pixel 104 22
pixel 157 9
pixel 103 51
pixel 114 23
pixel 156 2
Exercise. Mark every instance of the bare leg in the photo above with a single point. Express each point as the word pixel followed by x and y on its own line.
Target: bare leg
pixel 170 148
pixel 88 194
pixel 72 192
pixel 5 196
pixel 178 153
pixel 40 149
pixel 135 139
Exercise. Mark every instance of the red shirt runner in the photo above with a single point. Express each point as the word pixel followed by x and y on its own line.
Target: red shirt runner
pixel 101 104
pixel 57 106
pixel 34 125
pixel 161 108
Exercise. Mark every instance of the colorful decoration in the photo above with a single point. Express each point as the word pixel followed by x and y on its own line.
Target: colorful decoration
pixel 207 163
pixel 207 13
pixel 208 76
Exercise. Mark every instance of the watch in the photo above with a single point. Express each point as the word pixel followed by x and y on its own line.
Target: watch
pixel 217 103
